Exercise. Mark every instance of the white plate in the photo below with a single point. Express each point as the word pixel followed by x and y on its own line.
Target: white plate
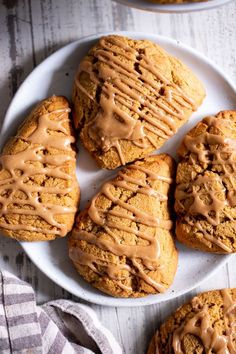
pixel 148 6
pixel 55 76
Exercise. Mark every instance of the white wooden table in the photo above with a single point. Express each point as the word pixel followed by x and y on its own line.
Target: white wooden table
pixel 30 30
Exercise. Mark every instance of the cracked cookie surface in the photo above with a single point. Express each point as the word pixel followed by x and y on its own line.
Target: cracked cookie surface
pixel 204 325
pixel 39 192
pixel 129 97
pixel 205 196
pixel 122 243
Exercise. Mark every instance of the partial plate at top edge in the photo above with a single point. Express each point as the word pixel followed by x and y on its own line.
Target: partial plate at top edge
pixel 173 8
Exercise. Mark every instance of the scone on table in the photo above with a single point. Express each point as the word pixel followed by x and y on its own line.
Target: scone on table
pixel 39 193
pixel 129 97
pixel 205 196
pixel 204 325
pixel 122 243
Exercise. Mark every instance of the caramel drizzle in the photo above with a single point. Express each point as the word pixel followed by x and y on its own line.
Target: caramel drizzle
pixel 156 109
pixel 147 254
pixel 157 351
pixel 223 156
pixel 200 326
pixel 51 166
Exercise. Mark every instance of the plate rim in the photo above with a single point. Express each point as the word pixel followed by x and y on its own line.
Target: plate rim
pixel 136 302
pixel 121 302
pixel 174 8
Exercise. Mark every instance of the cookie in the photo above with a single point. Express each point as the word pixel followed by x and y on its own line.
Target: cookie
pixel 122 243
pixel 205 196
pixel 39 192
pixel 129 97
pixel 205 325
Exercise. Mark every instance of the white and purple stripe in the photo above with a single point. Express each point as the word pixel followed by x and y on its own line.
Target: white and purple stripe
pixel 58 327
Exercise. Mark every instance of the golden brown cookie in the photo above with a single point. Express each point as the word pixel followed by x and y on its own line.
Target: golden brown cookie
pixel 39 192
pixel 205 197
pixel 205 325
pixel 122 244
pixel 129 97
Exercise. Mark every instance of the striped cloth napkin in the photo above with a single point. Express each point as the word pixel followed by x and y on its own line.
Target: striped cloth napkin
pixel 57 327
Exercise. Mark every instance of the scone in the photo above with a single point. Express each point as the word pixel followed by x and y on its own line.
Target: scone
pixel 122 244
pixel 205 197
pixel 39 192
pixel 205 325
pixel 129 97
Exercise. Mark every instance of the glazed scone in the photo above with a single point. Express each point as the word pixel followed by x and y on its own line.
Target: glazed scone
pixel 205 197
pixel 39 192
pixel 205 325
pixel 122 244
pixel 129 97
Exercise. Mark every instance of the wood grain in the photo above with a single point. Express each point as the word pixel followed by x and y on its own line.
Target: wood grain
pixel 30 30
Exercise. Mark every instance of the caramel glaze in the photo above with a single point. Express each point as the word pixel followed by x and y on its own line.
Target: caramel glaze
pixel 200 326
pixel 51 165
pixel 148 254
pixel 123 84
pixel 221 156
